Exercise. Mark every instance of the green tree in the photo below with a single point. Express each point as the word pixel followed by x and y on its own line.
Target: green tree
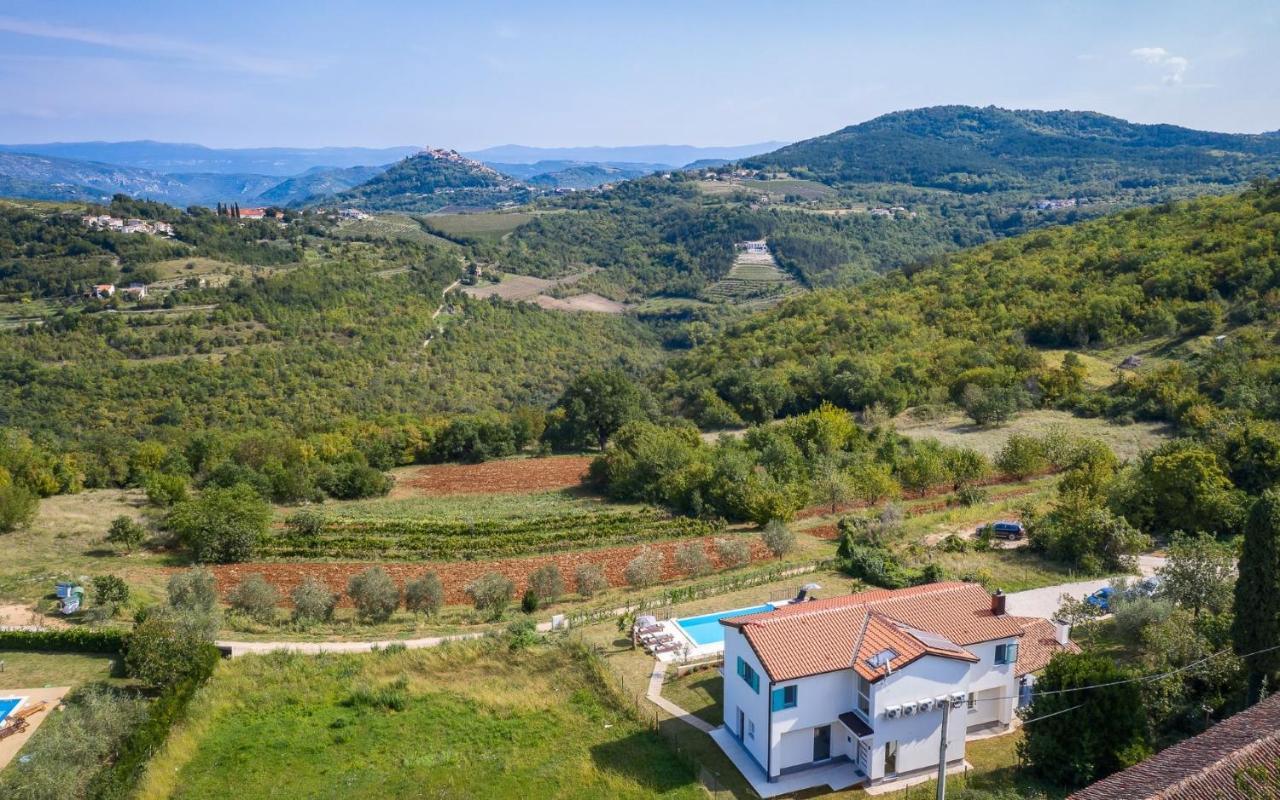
pixel 1199 573
pixel 691 558
pixel 645 569
pixel 594 406
pixel 832 486
pixel 374 594
pixel 1022 456
pixel 166 489
pixel 1081 736
pixel 1257 595
pixel 312 602
pixel 110 590
pixel 221 525
pixel 17 507
pixel 162 650
pixel 589 579
pixel 254 597
pixel 491 592
pixel 1181 486
pixel 424 594
pixel 778 538
pixel 126 533
pixel 547 583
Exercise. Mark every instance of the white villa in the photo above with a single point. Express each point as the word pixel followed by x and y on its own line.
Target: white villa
pixel 852 690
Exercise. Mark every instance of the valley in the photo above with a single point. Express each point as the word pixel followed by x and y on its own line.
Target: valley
pixel 469 423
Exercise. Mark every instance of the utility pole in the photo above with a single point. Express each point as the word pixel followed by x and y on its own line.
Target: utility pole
pixel 942 752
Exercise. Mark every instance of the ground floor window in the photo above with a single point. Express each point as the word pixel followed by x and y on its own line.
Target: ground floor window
pixel 973 702
pixel 891 758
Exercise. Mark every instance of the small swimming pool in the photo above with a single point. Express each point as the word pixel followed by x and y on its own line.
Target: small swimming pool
pixel 7 705
pixel 707 629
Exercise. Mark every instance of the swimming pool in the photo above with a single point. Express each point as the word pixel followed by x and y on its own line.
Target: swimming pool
pixel 7 705
pixel 707 629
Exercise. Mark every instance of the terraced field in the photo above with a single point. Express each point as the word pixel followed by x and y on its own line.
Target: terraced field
pixel 755 280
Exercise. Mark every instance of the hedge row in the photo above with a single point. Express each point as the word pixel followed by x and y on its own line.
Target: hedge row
pixel 118 780
pixel 66 640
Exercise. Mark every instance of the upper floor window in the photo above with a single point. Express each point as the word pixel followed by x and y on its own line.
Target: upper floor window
pixel 1007 653
pixel 785 697
pixel 749 675
pixel 864 696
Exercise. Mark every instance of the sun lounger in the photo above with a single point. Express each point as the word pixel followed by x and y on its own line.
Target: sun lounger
pixel 647 629
pixel 29 711
pixel 665 647
pixel 10 728
pixel 657 639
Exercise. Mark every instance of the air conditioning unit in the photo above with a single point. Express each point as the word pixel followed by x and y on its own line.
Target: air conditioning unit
pixel 892 712
pixel 926 705
pixel 957 699
pixel 908 709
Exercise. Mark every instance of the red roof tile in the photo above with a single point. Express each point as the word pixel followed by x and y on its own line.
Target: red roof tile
pixel 1039 644
pixel 843 632
pixel 1237 759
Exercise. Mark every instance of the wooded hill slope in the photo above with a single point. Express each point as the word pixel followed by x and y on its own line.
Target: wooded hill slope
pixel 981 317
pixel 967 149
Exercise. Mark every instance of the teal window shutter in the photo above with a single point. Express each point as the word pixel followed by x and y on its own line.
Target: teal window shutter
pixel 777 701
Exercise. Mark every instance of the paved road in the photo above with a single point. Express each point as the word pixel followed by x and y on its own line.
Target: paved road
pixel 1044 602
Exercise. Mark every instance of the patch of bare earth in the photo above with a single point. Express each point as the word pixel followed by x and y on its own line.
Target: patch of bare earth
pixel 515 476
pixel 455 575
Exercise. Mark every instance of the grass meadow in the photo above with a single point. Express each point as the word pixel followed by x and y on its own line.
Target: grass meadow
pixel 465 720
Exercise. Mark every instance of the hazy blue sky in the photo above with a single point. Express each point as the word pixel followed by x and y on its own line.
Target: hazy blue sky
pixel 473 74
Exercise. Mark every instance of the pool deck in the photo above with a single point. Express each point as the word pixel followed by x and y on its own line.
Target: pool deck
pixel 10 746
pixel 691 650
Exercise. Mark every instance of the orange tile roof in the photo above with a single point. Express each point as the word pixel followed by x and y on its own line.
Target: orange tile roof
pixel 843 632
pixel 1039 644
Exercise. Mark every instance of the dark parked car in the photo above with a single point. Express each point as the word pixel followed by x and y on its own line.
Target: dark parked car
pixel 1004 529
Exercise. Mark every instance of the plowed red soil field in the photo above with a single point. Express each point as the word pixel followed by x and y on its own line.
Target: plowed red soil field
pixel 456 574
pixel 514 476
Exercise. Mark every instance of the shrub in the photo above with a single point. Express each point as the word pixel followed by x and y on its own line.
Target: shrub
pixel 691 558
pixel 1133 617
pixel 424 594
pixel 733 552
pixel 1022 456
pixel 521 634
pixel 193 590
pixel 529 602
pixel 491 592
pixel 353 481
pixel 305 524
pixel 162 650
pixel 17 507
pixel 166 490
pixel 126 533
pixel 875 565
pixel 547 583
pixel 67 640
pixel 222 525
pixel 590 579
pixel 110 589
pixel 393 696
pixel 255 598
pixel 374 594
pixel 645 569
pixel 778 538
pixel 312 602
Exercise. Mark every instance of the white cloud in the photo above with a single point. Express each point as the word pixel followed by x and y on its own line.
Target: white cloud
pixel 1173 68
pixel 154 46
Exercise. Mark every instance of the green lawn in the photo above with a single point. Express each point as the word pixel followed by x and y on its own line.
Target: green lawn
pixel 24 670
pixel 955 429
pixel 462 721
pixel 700 693
pixel 486 225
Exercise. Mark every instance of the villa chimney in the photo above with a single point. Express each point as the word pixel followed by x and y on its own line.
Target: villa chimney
pixel 997 603
pixel 1061 632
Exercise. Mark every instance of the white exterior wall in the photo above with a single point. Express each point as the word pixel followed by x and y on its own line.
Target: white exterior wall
pixel 819 700
pixel 737 694
pixel 992 680
pixel 919 735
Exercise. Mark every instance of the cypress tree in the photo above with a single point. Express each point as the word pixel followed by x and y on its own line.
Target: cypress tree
pixel 1257 621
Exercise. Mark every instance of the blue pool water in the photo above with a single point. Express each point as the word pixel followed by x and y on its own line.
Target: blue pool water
pixel 707 629
pixel 7 705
